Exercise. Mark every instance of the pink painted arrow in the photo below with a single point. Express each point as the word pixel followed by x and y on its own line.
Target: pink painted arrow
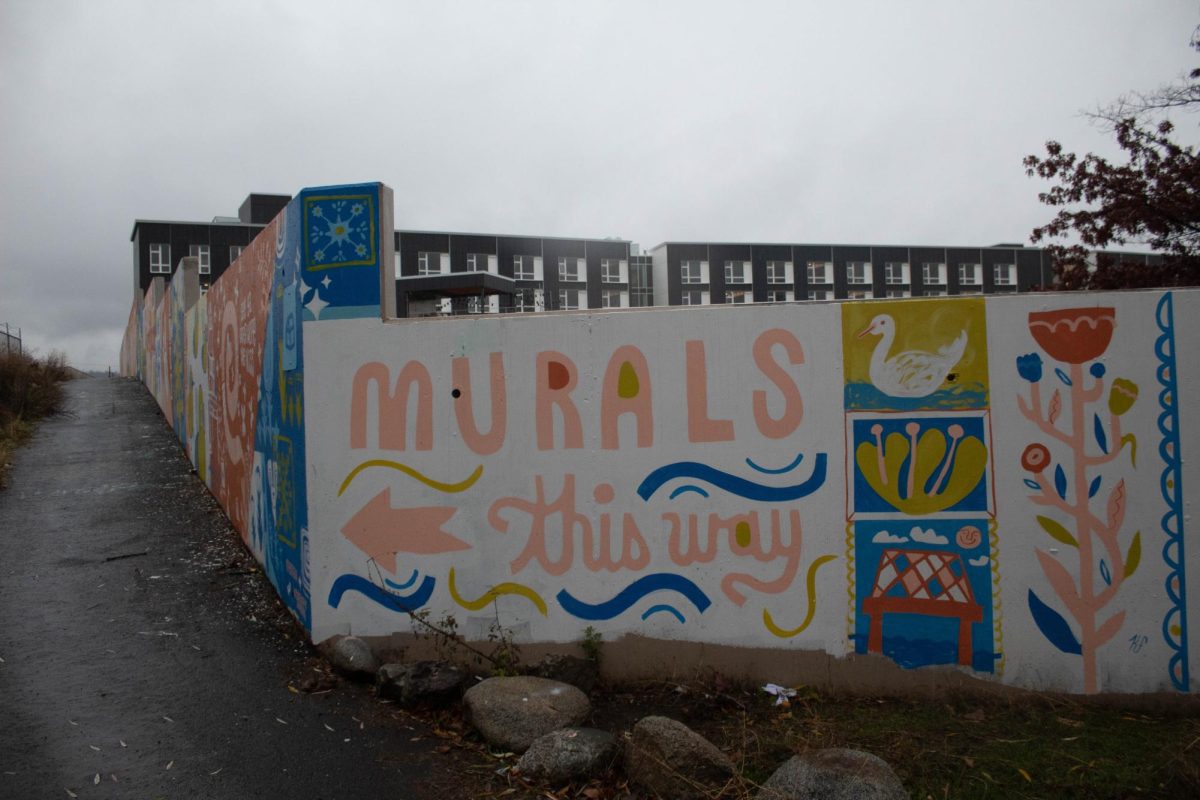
pixel 381 531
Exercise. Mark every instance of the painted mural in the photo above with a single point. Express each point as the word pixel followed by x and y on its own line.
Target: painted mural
pixel 1001 493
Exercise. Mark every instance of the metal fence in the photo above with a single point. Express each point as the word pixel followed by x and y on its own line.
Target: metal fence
pixel 10 342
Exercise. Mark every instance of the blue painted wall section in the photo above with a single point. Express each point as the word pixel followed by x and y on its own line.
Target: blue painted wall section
pixel 341 251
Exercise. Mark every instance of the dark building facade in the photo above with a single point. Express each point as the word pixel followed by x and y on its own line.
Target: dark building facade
pixel 703 273
pixel 440 273
pixel 158 245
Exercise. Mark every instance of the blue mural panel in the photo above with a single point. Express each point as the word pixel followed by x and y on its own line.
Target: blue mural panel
pixel 341 248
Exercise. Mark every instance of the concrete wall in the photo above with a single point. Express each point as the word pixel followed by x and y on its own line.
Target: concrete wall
pixel 969 488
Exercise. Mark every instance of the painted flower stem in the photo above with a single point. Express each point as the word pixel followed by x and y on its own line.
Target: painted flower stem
pixel 1083 601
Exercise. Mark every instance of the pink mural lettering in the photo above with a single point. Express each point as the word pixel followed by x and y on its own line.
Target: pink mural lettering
pixel 626 391
pixel 700 427
pixel 464 410
pixel 392 406
pixel 793 404
pixel 556 379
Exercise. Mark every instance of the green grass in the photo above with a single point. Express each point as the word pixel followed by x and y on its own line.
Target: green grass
pixel 30 390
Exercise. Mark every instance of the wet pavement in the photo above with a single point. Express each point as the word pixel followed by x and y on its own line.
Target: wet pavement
pixel 143 653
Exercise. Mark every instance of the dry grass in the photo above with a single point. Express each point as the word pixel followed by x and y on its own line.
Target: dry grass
pixel 30 390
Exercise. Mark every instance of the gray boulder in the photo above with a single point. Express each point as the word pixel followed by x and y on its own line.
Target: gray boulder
pixel 579 672
pixel 352 656
pixel 834 774
pixel 670 760
pixel 421 683
pixel 512 712
pixel 568 754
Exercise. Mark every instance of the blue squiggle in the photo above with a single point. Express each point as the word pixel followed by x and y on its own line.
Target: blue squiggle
pixel 663 607
pixel 1172 494
pixel 781 470
pixel 732 483
pixel 635 591
pixel 411 580
pixel 394 602
pixel 688 488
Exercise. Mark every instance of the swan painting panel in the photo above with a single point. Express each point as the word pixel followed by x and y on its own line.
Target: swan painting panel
pixel 912 373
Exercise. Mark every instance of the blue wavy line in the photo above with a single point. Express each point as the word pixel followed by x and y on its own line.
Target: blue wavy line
pixel 635 591
pixel 1172 521
pixel 394 602
pixel 662 607
pixel 411 580
pixel 732 483
pixel 688 488
pixel 781 470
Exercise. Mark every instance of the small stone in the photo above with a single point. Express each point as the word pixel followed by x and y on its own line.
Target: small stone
pixel 421 683
pixel 834 774
pixel 579 672
pixel 568 754
pixel 512 712
pixel 352 656
pixel 670 760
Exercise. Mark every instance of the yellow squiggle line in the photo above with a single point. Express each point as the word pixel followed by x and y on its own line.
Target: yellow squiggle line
pixel 448 488
pixel 850 614
pixel 994 541
pixel 493 593
pixel 811 586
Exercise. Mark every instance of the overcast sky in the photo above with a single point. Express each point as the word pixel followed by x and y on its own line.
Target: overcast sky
pixel 887 122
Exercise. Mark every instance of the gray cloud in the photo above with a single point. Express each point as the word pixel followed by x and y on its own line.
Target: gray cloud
pixel 878 122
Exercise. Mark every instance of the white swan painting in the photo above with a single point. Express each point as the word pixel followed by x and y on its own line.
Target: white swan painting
pixel 913 373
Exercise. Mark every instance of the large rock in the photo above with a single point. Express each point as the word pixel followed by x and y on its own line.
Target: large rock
pixel 670 760
pixel 421 683
pixel 834 774
pixel 579 672
pixel 352 656
pixel 568 754
pixel 512 712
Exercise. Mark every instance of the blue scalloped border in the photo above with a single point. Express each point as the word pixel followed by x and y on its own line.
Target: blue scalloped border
pixel 1172 492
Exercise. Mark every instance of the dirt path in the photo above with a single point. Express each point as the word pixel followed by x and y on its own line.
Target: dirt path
pixel 137 661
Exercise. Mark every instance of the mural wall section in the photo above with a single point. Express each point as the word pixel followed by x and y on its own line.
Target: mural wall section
pixel 989 485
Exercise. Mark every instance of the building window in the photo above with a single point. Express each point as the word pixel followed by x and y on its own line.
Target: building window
pixel 779 296
pixel 477 262
pixel 693 297
pixel 735 272
pixel 820 272
pixel 569 299
pixel 429 263
pixel 612 298
pixel 739 298
pixel 610 270
pixel 895 272
pixel 160 259
pixel 203 256
pixel 235 252
pixel 969 274
pixel 970 289
pixel 819 294
pixel 568 269
pixel 779 272
pixel 860 294
pixel 858 272
pixel 523 268
pixel 935 292
pixel 641 290
pixel 1005 274
pixel 897 293
pixel 933 273
pixel 527 300
pixel 691 272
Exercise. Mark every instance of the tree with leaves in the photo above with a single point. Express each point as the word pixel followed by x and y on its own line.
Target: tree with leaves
pixel 1152 199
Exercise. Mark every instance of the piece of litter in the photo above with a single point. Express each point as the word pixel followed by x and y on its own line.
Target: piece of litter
pixel 197 649
pixel 168 719
pixel 70 793
pixel 170 764
pixel 328 728
pixel 218 769
pixel 345 740
pixel 96 780
pixel 97 749
pixel 73 722
pixel 280 721
pixel 782 693
pixel 122 741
